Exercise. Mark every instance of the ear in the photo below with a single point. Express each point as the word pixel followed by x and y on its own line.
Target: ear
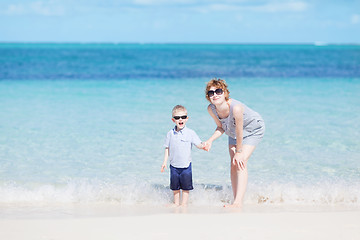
pixel 173 119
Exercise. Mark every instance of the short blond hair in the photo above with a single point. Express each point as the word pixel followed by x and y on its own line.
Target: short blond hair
pixel 177 108
pixel 218 83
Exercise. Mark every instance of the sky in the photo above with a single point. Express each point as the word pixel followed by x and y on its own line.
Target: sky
pixel 181 21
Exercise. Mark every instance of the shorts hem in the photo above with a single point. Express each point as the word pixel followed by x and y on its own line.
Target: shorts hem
pixel 250 140
pixel 182 189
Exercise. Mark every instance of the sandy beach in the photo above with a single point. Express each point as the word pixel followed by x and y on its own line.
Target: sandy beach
pixel 189 224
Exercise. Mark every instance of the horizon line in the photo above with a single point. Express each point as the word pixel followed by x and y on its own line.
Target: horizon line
pixel 315 43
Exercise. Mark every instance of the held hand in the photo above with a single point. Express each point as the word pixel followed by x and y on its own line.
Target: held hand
pixel 207 146
pixel 163 167
pixel 239 161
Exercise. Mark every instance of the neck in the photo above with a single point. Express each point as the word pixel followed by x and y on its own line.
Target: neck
pixel 223 109
pixel 224 106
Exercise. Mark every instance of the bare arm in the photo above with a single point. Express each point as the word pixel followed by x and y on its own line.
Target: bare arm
pixel 166 156
pixel 239 159
pixel 238 113
pixel 218 131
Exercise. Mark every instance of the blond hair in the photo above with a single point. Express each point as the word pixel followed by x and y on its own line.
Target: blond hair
pixel 177 108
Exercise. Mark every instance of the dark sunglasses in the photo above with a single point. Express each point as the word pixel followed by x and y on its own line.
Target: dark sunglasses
pixel 178 117
pixel 218 91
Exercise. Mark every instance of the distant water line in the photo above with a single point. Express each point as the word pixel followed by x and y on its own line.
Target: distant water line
pixel 129 61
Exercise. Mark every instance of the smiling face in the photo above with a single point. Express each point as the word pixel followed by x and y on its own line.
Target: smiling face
pixel 214 84
pixel 180 122
pixel 217 98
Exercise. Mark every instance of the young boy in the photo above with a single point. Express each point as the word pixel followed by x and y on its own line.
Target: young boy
pixel 178 146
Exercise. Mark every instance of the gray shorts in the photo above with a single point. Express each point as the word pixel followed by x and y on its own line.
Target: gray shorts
pixel 254 138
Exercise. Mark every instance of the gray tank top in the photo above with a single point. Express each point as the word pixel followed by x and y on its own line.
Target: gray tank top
pixel 250 117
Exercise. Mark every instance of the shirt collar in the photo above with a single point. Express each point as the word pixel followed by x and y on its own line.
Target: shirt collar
pixel 179 132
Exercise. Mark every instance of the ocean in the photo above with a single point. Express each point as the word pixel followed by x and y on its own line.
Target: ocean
pixel 86 123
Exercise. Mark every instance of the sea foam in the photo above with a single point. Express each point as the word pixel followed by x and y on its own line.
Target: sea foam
pixel 93 191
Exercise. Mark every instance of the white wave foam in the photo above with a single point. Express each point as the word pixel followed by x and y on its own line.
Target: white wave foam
pixel 86 191
pixel 319 194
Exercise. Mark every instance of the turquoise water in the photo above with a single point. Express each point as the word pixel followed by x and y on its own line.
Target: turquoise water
pixel 73 137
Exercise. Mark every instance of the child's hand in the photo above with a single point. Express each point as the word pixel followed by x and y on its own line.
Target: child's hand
pixel 163 167
pixel 207 146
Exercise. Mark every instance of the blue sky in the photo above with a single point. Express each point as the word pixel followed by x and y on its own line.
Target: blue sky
pixel 180 21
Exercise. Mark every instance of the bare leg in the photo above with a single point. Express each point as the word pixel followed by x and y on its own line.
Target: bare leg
pixel 177 197
pixel 185 198
pixel 239 177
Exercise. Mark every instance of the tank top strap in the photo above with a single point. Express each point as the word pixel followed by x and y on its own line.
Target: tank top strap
pixel 212 106
pixel 231 105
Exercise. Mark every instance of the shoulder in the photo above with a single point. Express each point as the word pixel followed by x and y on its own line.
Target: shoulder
pixel 236 104
pixel 191 133
pixel 189 130
pixel 238 109
pixel 210 107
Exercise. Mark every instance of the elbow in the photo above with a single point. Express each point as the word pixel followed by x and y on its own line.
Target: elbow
pixel 220 129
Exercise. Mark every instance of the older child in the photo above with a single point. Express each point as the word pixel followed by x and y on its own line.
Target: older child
pixel 178 145
pixel 245 129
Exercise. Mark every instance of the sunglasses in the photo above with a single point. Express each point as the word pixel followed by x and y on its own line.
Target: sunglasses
pixel 218 91
pixel 178 117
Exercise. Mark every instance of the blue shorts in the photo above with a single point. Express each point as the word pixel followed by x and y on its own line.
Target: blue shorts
pixel 181 178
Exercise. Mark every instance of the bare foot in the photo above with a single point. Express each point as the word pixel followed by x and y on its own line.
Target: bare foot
pixel 172 205
pixel 234 206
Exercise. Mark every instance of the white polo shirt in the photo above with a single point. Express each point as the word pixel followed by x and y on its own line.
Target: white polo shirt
pixel 180 144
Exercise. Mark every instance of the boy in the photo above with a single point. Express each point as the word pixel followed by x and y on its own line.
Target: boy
pixel 178 146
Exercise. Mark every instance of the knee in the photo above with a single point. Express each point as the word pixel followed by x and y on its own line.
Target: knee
pixel 234 169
